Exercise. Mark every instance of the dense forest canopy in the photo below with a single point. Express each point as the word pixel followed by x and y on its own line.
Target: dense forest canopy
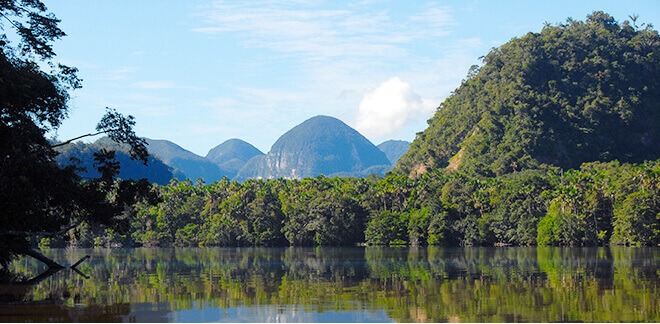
pixel 599 204
pixel 575 92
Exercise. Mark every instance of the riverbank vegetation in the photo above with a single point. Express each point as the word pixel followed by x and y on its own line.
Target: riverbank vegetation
pixel 598 204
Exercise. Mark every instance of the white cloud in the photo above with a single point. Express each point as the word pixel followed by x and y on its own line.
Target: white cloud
pixel 319 33
pixel 435 20
pixel 121 73
pixel 389 107
pixel 154 85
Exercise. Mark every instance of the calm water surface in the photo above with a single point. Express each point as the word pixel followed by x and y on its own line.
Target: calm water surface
pixel 341 285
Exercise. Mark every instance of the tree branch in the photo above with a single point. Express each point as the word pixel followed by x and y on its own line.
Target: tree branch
pixel 43 276
pixel 79 262
pixel 9 20
pixel 60 232
pixel 36 254
pixel 76 138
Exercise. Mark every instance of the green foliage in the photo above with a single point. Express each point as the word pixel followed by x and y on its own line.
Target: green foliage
pixel 549 227
pixel 188 235
pixel 600 204
pixel 418 224
pixel 572 93
pixel 638 220
pixel 181 205
pixel 324 211
pixel 438 231
pixel 40 198
pixel 387 228
pixel 517 205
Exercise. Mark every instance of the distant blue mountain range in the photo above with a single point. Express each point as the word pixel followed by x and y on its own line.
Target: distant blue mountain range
pixel 320 145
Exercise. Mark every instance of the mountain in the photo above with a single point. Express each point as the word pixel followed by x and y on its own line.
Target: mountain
pixel 185 163
pixel 573 93
pixel 232 155
pixel 155 171
pixel 320 145
pixel 393 149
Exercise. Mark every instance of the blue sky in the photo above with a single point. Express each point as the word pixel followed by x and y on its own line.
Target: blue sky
pixel 200 72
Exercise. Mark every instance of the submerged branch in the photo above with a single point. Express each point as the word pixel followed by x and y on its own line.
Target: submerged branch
pixel 79 262
pixel 41 277
pixel 80 273
pixel 37 255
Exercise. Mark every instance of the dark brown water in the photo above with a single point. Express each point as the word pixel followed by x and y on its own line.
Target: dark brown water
pixel 341 285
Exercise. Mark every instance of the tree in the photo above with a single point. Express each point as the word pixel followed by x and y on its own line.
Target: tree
pixel 638 220
pixel 38 197
pixel 518 204
pixel 637 216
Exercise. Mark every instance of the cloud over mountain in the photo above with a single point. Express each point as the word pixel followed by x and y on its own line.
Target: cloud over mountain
pixel 387 108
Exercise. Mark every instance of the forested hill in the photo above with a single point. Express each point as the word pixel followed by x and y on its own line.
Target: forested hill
pixel 320 145
pixel 185 163
pixel 232 155
pixel 573 93
pixel 394 149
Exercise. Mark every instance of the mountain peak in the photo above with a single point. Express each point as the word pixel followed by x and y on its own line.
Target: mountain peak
pixel 232 154
pixel 320 145
pixel 394 149
pixel 187 164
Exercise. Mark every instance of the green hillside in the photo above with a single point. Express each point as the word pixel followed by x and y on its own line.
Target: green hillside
pixel 575 92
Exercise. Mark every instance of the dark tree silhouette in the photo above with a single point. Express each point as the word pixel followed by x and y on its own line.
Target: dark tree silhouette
pixel 37 197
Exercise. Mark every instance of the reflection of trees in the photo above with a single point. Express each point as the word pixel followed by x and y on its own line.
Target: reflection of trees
pixel 56 312
pixel 434 284
pixel 18 302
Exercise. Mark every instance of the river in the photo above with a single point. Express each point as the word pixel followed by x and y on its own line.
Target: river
pixel 508 284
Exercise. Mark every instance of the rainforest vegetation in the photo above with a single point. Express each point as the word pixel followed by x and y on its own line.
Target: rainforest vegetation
pixel 577 92
pixel 598 204
pixel 37 196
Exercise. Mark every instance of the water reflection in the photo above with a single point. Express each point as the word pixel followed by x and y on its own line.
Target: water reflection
pixel 330 284
pixel 276 314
